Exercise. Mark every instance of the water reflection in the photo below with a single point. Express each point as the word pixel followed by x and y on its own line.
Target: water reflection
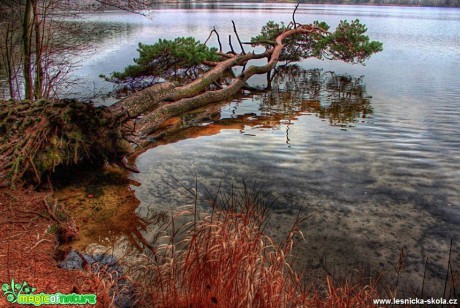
pixel 366 201
pixel 94 36
pixel 391 181
pixel 104 207
pixel 341 100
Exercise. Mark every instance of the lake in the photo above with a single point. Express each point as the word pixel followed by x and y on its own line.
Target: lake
pixel 385 179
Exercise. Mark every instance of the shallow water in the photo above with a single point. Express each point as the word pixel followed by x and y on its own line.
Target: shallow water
pixel 377 184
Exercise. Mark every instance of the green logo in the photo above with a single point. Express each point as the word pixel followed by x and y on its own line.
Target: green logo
pixel 14 290
pixel 23 294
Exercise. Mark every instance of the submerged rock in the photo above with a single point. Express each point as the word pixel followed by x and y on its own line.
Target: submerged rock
pixel 125 292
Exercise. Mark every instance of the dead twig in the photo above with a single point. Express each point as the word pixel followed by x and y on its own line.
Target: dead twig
pixel 218 38
pixel 238 38
pixel 232 51
pixel 37 243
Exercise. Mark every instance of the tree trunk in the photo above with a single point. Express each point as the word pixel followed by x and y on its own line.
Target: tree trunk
pixel 9 59
pixel 154 105
pixel 38 53
pixel 27 50
pixel 161 102
pixel 150 98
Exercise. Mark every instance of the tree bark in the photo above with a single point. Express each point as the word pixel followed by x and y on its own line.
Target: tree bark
pixel 161 102
pixel 27 50
pixel 9 59
pixel 38 53
pixel 152 97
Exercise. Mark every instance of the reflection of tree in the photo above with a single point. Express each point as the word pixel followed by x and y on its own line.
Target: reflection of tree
pixel 112 202
pixel 340 98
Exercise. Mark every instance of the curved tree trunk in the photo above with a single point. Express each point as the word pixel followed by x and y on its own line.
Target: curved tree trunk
pixel 158 103
pixel 150 98
pixel 40 135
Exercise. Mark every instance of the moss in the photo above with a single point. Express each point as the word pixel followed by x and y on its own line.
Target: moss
pixel 53 229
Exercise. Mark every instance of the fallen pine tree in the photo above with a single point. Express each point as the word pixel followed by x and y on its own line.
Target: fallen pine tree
pixel 39 136
pixel 208 81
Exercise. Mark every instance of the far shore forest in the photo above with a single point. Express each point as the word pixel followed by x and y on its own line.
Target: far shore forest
pixel 432 3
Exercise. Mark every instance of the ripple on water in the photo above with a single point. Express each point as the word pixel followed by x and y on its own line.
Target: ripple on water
pixel 372 190
pixel 389 182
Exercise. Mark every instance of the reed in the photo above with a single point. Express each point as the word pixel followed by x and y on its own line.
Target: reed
pixel 224 259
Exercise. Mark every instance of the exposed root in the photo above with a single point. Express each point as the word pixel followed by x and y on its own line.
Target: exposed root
pixel 38 136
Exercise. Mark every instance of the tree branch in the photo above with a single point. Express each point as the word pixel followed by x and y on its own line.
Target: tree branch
pixel 293 15
pixel 218 38
pixel 238 38
pixel 230 43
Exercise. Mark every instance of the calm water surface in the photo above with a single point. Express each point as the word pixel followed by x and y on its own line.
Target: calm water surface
pixel 382 182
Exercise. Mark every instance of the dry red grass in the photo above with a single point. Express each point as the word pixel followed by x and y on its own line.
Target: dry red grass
pixel 346 295
pixel 27 250
pixel 225 260
pixel 222 260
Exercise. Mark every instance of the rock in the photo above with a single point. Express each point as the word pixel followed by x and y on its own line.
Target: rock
pixel 126 295
pixel 73 260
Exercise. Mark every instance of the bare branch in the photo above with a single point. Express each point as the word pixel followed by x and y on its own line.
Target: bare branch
pixel 238 38
pixel 293 15
pixel 218 38
pixel 230 43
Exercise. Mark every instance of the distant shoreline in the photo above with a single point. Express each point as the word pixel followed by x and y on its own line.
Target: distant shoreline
pixel 401 3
